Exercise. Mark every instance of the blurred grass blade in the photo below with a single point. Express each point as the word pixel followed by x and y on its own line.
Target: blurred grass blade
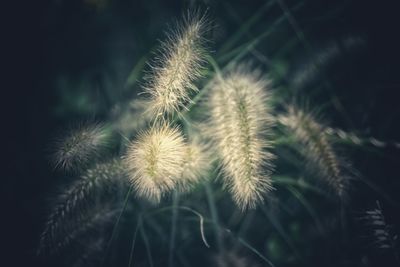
pixel 115 227
pixel 174 221
pixel 214 213
pixel 241 51
pixel 136 72
pixel 308 207
pixel 278 226
pixel 134 240
pixel 290 181
pixel 244 28
pixel 146 243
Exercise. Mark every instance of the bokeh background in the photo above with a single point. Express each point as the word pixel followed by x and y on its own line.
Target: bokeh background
pixel 70 60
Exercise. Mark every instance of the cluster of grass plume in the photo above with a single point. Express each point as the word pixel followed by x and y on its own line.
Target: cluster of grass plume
pixel 80 146
pixel 317 148
pixel 155 161
pixel 160 152
pixel 240 119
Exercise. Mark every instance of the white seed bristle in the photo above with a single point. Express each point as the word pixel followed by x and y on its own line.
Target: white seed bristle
pixel 239 123
pixel 173 72
pixel 155 161
pixel 316 148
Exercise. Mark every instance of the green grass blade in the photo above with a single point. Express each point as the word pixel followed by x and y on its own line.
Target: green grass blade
pixel 146 243
pixel 245 27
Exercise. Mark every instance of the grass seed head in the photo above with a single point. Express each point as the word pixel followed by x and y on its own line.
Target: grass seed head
pixel 155 161
pixel 179 63
pixel 80 146
pixel 239 124
pixel 317 148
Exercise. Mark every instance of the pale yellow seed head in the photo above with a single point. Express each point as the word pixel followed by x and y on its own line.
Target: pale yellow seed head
pixel 156 161
pixel 238 125
pixel 180 62
pixel 317 148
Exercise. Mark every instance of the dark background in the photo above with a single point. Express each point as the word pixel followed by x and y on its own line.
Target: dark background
pixel 46 40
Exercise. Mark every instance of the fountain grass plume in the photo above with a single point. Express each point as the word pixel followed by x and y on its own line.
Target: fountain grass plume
pixel 72 203
pixel 155 161
pixel 317 148
pixel 239 124
pixel 179 63
pixel 80 146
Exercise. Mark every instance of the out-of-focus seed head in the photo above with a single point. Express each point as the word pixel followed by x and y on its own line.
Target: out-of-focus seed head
pixel 317 148
pixel 80 146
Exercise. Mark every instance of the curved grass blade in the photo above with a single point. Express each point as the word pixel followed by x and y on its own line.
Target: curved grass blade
pixel 308 207
pixel 244 27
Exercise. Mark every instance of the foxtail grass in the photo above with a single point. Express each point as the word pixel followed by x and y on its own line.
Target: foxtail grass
pixel 238 125
pixel 316 147
pixel 179 62
pixel 74 202
pixel 80 146
pixel 155 161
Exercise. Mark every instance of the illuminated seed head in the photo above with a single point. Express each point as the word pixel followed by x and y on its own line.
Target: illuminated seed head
pixel 155 161
pixel 239 124
pixel 80 146
pixel 180 63
pixel 317 148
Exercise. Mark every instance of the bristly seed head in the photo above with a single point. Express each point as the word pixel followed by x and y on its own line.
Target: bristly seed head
pixel 317 148
pixel 80 146
pixel 181 60
pixel 155 161
pixel 238 125
pixel 76 201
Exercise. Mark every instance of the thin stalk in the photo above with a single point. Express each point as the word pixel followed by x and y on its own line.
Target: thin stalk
pixel 175 203
pixel 214 215
pixel 146 243
pixel 242 50
pixel 114 231
pixel 134 240
pixel 201 218
pixel 244 27
pixel 275 223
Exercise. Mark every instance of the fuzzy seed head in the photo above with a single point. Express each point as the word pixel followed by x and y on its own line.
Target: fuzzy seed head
pixel 316 148
pixel 239 122
pixel 156 161
pixel 173 72
pixel 73 203
pixel 80 146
